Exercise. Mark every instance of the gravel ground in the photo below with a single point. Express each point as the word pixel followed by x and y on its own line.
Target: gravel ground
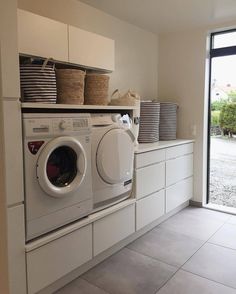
pixel 223 172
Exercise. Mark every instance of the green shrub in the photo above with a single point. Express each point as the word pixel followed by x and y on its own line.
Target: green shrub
pixel 215 118
pixel 217 105
pixel 228 118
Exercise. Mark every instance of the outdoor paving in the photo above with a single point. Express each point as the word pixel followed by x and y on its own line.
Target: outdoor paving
pixel 223 171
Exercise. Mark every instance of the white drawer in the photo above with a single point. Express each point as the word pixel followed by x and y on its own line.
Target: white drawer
pixel 179 193
pixel 178 169
pixel 180 150
pixel 149 179
pixel 147 158
pixel 52 261
pixel 149 209
pixel 113 228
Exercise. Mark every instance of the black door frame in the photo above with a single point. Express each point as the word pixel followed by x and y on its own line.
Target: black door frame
pixel 218 52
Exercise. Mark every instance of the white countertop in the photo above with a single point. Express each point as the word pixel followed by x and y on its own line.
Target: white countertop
pixel 145 147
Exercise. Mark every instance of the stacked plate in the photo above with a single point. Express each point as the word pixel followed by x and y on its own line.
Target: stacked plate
pixel 168 121
pixel 149 122
pixel 38 84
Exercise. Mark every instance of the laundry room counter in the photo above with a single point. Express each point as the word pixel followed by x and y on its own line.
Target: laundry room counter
pixel 145 147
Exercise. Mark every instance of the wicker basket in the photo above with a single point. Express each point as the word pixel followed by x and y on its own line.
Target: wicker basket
pixel 70 86
pixel 96 89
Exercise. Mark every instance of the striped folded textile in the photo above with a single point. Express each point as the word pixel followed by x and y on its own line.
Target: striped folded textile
pixel 38 83
pixel 168 121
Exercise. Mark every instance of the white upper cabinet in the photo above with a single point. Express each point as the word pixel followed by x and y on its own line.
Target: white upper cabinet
pixel 44 37
pixel 41 36
pixel 90 49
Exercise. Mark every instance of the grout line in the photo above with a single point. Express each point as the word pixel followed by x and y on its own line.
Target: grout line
pixel 219 245
pixel 217 282
pixel 106 292
pixel 181 267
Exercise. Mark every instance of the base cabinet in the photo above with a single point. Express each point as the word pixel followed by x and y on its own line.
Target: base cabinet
pixel 52 261
pixel 179 193
pixel 163 181
pixel 149 209
pixel 113 228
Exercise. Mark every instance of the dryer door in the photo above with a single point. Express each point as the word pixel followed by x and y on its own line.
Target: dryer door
pixel 115 156
pixel 61 166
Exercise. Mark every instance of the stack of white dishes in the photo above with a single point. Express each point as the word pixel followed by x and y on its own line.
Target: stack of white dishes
pixel 168 121
pixel 38 83
pixel 149 122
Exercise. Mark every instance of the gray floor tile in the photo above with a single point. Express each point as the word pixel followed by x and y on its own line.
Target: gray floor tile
pixel 80 286
pixel 215 263
pixel 187 283
pixel 167 246
pixel 128 272
pixel 195 226
pixel 225 236
pixel 204 213
pixel 232 220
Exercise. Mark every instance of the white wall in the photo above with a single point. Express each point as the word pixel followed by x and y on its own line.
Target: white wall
pixel 135 49
pixel 182 67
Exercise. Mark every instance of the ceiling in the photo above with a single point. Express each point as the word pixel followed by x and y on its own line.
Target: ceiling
pixel 161 16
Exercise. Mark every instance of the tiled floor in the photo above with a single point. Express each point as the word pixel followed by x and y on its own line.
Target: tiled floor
pixel 192 252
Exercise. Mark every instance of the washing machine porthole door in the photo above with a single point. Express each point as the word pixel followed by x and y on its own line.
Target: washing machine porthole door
pixel 61 166
pixel 115 155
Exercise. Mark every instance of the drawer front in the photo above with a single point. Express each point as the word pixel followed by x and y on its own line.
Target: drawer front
pixel 178 194
pixel 149 179
pixel 178 169
pixel 180 150
pixel 149 209
pixel 52 261
pixel 113 228
pixel 147 158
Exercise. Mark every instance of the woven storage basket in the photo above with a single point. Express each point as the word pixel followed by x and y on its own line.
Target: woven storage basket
pixel 96 89
pixel 70 86
pixel 149 122
pixel 168 121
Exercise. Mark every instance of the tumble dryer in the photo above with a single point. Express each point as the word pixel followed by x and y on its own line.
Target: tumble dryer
pixel 112 159
pixel 57 170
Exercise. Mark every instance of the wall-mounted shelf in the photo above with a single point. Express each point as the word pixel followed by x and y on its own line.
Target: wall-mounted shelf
pixel 64 64
pixel 44 106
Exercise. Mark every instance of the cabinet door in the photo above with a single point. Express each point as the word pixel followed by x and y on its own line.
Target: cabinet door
pixel 89 49
pixel 179 193
pixel 52 261
pixel 178 151
pixel 178 169
pixel 149 179
pixel 150 209
pixel 41 36
pixel 147 158
pixel 113 228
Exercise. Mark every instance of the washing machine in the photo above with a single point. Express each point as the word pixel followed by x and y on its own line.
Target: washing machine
pixel 112 159
pixel 57 170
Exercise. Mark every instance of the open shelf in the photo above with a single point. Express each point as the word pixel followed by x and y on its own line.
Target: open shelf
pixel 44 106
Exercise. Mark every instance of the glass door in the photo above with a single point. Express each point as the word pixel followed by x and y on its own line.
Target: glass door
pixel 222 121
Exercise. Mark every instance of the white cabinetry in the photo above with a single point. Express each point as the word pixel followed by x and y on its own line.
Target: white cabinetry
pixel 44 37
pixel 90 49
pixel 149 187
pixel 113 228
pixel 52 261
pixel 163 180
pixel 41 36
pixel 149 209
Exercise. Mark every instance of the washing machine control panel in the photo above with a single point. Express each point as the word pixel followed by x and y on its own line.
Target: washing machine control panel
pixel 36 127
